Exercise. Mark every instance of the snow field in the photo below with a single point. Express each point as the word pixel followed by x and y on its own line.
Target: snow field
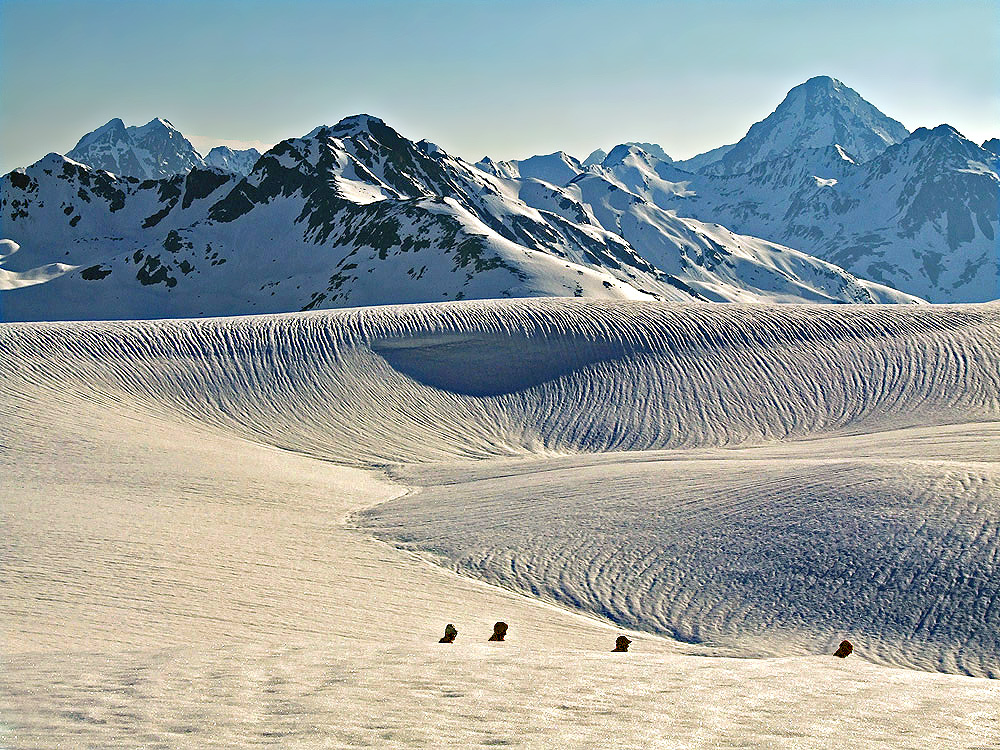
pixel 748 552
pixel 181 571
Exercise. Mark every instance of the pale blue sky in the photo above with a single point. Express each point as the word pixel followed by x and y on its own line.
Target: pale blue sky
pixel 508 79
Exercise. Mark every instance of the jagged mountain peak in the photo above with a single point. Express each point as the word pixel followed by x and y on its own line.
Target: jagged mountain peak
pixel 820 84
pixel 372 135
pixel 431 149
pixel 944 141
pixel 560 156
pixel 360 121
pixel 941 131
pixel 820 88
pixel 934 155
pixel 52 159
pixel 920 216
pixel 347 126
pixel 352 125
pixel 820 112
pixel 358 214
pixel 653 149
pixel 156 149
pixel 624 151
pixel 557 168
pixel 157 123
pixel 114 126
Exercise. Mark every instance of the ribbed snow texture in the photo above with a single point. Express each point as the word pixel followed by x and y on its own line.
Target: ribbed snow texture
pixel 413 383
pixel 775 554
pixel 754 554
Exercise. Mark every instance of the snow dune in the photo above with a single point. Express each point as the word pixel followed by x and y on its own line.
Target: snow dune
pixel 419 383
pixel 754 481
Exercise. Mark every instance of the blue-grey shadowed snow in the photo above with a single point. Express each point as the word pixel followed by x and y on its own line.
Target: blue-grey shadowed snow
pixel 631 376
pixel 754 554
pixel 485 365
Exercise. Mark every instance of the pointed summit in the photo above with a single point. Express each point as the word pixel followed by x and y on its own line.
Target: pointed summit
pixel 113 126
pixel 111 131
pixel 940 156
pixel 820 84
pixel 628 151
pixel 157 123
pixel 816 114
pixel 356 123
pixel 651 149
pixel 596 157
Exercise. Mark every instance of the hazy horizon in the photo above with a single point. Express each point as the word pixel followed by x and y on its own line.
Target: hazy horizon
pixel 478 79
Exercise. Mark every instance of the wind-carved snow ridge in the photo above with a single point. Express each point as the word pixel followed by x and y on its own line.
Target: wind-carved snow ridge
pixel 403 384
pixel 889 537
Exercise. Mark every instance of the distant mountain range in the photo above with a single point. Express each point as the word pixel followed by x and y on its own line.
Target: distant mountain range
pixel 134 223
pixel 152 151
pixel 830 175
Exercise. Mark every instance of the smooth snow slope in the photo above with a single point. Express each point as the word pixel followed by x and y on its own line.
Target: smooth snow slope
pixel 172 579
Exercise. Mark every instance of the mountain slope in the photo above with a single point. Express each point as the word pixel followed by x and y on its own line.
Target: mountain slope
pixel 198 576
pixel 707 260
pixel 300 232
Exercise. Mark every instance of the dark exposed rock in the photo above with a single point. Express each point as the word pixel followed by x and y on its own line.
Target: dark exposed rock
pixel 844 650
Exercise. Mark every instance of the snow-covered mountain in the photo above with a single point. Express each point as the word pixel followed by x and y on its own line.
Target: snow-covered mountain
pixel 236 161
pixel 557 168
pixel 598 155
pixel 151 151
pixel 818 113
pixel 920 217
pixel 695 163
pixel 154 150
pixel 356 214
pixel 831 176
pixel 992 145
